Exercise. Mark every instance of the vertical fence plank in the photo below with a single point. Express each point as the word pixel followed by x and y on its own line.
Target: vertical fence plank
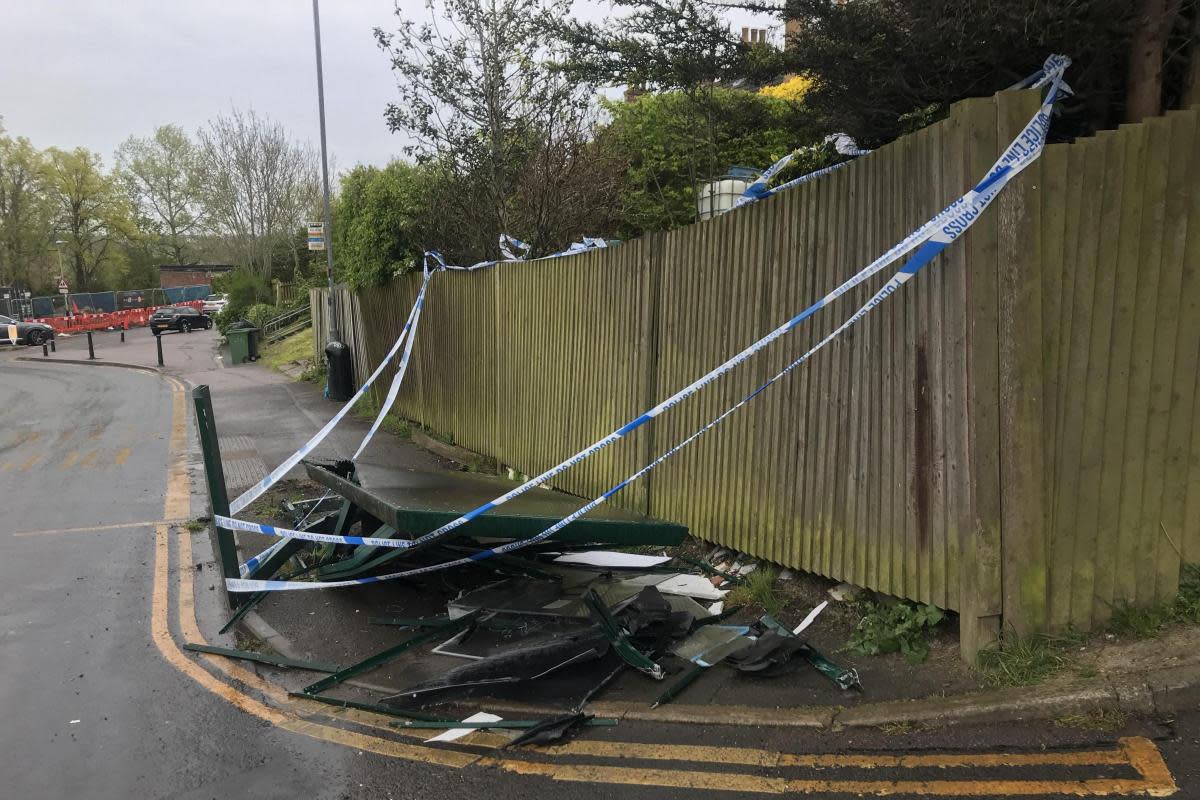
pixel 1183 517
pixel 1164 395
pixel 1104 410
pixel 1137 431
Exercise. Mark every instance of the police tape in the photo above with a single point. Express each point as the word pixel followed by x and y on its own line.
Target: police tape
pixel 229 523
pixel 398 378
pixel 758 190
pixel 254 563
pixel 257 490
pixel 930 239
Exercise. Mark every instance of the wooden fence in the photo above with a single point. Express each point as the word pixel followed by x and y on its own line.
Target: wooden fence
pixel 1013 435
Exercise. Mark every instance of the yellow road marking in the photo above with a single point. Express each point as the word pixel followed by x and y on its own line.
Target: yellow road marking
pixel 1140 754
pixel 767 758
pixel 7 466
pixel 29 462
pixel 70 460
pixel 122 455
pixel 89 458
pixel 1160 786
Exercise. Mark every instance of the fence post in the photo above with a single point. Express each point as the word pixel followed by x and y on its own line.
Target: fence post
pixel 158 344
pixel 218 497
pixel 91 350
pixel 979 549
pixel 1025 543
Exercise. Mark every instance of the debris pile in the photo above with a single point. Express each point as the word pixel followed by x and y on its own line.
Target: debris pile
pixel 553 625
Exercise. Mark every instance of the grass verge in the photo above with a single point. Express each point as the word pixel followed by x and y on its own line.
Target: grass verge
pixel 297 347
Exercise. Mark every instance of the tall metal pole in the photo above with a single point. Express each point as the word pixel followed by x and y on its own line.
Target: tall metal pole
pixel 333 333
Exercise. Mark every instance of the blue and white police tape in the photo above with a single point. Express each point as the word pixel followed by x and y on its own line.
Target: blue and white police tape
pixel 934 236
pixel 254 563
pixel 758 190
pixel 229 523
pixel 398 378
pixel 588 243
pixel 510 246
pixel 256 491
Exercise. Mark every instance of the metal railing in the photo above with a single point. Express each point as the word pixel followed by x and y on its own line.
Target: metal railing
pixel 285 324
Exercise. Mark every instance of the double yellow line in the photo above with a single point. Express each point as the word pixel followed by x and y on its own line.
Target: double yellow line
pixel 312 719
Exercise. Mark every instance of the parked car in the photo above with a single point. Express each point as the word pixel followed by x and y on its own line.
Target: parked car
pixel 184 319
pixel 215 303
pixel 33 334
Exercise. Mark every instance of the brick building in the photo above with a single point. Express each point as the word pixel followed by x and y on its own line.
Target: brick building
pixel 172 275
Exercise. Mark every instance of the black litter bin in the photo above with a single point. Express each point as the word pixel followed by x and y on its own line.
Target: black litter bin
pixel 253 344
pixel 341 371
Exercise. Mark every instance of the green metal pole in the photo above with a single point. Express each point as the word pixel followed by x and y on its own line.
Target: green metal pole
pixel 218 498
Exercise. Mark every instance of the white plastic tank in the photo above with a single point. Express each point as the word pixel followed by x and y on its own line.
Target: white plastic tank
pixel 716 197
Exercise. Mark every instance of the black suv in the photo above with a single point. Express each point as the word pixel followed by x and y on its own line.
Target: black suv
pixel 184 319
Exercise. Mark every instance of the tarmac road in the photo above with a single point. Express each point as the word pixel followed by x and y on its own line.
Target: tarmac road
pixel 95 706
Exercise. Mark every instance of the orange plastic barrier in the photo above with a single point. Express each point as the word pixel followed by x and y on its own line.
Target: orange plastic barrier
pixel 129 318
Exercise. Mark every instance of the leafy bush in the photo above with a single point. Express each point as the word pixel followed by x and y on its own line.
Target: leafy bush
pixel 903 627
pixel 375 221
pixel 245 289
pixel 261 313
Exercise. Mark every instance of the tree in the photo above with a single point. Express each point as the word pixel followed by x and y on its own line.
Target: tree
pixel 689 122
pixel 1153 22
pixel 661 45
pixel 485 106
pixel 665 153
pixel 161 176
pixel 259 186
pixel 376 218
pixel 882 67
pixel 91 214
pixel 25 216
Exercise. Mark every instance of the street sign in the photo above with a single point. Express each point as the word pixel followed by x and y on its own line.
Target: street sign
pixel 62 286
pixel 316 236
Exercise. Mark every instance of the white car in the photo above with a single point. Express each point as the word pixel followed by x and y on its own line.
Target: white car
pixel 215 303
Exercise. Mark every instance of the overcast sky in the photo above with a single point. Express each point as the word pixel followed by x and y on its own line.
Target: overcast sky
pixel 93 72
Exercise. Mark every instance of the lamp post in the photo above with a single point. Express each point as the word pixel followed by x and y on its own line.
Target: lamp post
pixel 333 333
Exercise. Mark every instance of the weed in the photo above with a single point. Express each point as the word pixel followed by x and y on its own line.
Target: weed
pixel 1104 720
pixel 314 372
pixel 1025 660
pixel 1086 671
pixel 758 590
pixel 900 628
pixel 196 525
pixel 1140 622
pixel 1187 604
pixel 397 427
pixel 249 643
